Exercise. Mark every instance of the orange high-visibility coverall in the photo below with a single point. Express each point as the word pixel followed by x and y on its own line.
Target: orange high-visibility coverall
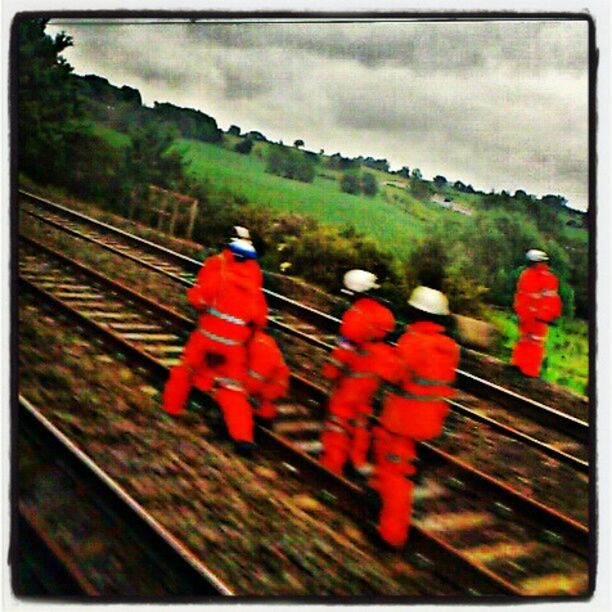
pixel 536 303
pixel 228 295
pixel 356 365
pixel 425 367
pixel 267 374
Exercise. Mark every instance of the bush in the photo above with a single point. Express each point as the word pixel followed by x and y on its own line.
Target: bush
pixel 369 185
pixel 244 146
pixel 290 163
pixel 349 183
pixel 421 190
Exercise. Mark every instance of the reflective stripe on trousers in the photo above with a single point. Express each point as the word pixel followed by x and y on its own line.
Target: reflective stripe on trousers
pixel 353 374
pixel 220 339
pixel 229 383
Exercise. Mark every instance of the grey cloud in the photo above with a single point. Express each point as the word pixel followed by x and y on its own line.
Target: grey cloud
pixel 510 113
pixel 423 46
pixel 239 84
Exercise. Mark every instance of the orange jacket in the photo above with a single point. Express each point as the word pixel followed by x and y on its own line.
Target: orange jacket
pixel 537 295
pixel 366 320
pixel 268 374
pixel 361 359
pixel 358 370
pixel 229 296
pixel 425 368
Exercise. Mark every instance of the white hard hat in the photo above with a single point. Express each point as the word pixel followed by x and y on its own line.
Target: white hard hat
pixel 360 281
pixel 536 255
pixel 241 232
pixel 429 300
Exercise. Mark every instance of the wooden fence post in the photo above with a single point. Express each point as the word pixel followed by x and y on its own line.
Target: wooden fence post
pixel 192 215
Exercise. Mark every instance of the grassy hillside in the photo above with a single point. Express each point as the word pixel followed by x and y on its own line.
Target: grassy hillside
pixel 392 217
pixel 113 137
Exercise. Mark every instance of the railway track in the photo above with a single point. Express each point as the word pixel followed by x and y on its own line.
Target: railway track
pixel 508 413
pixel 106 543
pixel 317 329
pixel 482 528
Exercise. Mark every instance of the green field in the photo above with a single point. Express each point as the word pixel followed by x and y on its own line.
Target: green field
pixel 113 137
pixel 393 218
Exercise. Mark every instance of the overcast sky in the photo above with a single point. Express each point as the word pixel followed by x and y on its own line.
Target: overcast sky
pixel 501 105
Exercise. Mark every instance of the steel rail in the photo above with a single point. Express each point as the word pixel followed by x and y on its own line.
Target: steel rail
pixel 468 574
pixel 58 568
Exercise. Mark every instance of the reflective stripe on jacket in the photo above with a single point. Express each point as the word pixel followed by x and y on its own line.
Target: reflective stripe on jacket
pixel 537 295
pixel 229 296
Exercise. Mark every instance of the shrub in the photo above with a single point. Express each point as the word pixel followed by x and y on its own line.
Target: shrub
pixel 290 163
pixel 369 185
pixel 349 183
pixel 244 146
pixel 420 189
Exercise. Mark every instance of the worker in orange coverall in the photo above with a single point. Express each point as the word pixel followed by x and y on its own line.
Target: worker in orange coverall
pixel 425 367
pixel 355 365
pixel 228 295
pixel 267 376
pixel 536 303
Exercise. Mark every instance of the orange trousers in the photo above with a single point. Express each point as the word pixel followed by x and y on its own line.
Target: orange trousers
pixel 528 352
pixel 237 413
pixel 216 368
pixel 393 456
pixel 346 435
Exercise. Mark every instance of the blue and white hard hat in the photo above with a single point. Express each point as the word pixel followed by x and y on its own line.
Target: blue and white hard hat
pixel 243 248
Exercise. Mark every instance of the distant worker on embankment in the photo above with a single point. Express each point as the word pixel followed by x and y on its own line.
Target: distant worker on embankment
pixel 228 295
pixel 356 366
pixel 424 371
pixel 536 303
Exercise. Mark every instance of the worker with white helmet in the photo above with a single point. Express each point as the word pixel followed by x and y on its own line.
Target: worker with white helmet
pixel 228 296
pixel 536 303
pixel 355 366
pixel 426 360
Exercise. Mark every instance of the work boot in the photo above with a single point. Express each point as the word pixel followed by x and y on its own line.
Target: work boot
pixel 244 449
pixel 372 501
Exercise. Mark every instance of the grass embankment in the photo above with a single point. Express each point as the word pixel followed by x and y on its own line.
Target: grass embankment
pixel 567 349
